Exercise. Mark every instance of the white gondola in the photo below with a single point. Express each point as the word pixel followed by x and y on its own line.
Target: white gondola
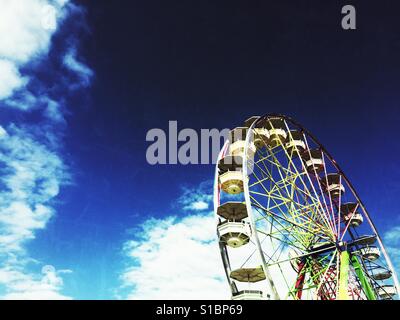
pixel 295 144
pixel 271 131
pixel 231 175
pixel 237 144
pixel 387 291
pixel 365 240
pixel 233 211
pixel 356 220
pixel 276 131
pixel 313 160
pixel 232 182
pixel 237 148
pixel 261 136
pixel 333 185
pixel 349 212
pixel 234 234
pixel 248 295
pixel 381 274
pixel 249 275
pixel 370 253
pixel 238 133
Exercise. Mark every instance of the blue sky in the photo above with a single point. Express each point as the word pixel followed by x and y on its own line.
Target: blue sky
pixel 83 216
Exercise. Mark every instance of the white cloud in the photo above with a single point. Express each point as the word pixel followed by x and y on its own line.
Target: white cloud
pixel 32 176
pixel 3 132
pixel 25 20
pixel 392 243
pixel 176 259
pixel 179 258
pixel 83 72
pixel 392 236
pixel 10 78
pixel 25 286
pixel 197 198
pixel 31 170
pixel 53 110
pixel 199 205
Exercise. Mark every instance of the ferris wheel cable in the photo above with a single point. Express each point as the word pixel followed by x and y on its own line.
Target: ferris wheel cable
pixel 293 202
pixel 329 195
pixel 276 184
pixel 269 210
pixel 339 210
pixel 280 231
pixel 282 218
pixel 248 258
pixel 310 179
pixel 326 272
pixel 328 217
pixel 325 216
pixel 348 223
pixel 251 255
pixel 333 248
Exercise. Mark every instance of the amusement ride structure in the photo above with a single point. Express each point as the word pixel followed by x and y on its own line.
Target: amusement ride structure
pixel 289 222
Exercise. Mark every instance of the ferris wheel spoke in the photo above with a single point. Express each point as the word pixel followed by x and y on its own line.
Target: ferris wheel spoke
pixel 300 176
pixel 275 216
pixel 270 214
pixel 302 208
pixel 330 198
pixel 280 196
pixel 286 240
pixel 326 278
pixel 323 205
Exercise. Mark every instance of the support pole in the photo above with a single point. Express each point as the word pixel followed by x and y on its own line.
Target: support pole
pixel 300 280
pixel 344 275
pixel 369 292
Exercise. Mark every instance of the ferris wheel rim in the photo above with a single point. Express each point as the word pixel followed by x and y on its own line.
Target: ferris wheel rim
pixel 224 255
pixel 272 289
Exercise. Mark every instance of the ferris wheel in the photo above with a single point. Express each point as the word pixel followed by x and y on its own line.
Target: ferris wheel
pixel 289 222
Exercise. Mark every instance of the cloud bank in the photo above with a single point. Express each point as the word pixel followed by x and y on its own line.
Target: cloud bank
pixel 25 34
pixel 176 257
pixel 32 169
pixel 392 242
